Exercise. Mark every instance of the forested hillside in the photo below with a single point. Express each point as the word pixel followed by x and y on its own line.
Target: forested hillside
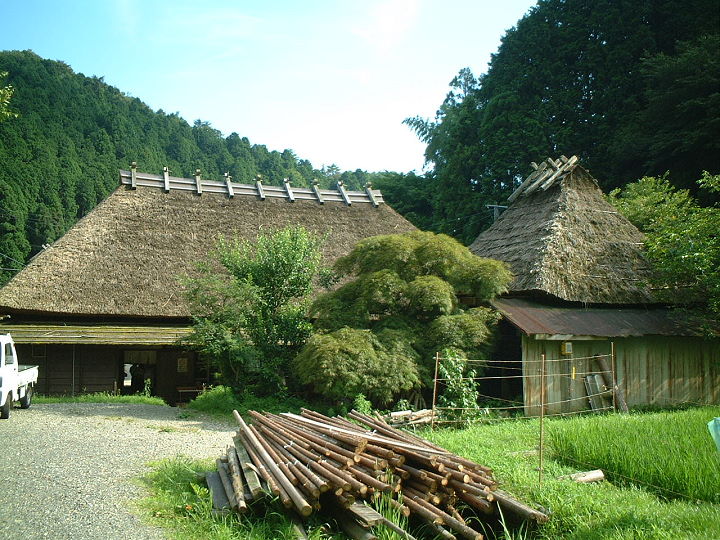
pixel 61 155
pixel 630 86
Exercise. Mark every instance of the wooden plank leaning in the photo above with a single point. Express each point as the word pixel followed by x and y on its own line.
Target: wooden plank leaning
pixel 217 491
pixel 607 377
pixel 249 472
pixel 236 479
pixel 227 484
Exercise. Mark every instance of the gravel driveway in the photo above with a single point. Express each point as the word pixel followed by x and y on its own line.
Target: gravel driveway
pixel 69 470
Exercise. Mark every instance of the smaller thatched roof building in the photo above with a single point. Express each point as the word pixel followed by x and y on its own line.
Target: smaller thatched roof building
pixel 580 293
pixel 562 238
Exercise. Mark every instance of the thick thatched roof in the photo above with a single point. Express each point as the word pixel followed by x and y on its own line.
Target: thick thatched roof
pixel 124 258
pixel 562 238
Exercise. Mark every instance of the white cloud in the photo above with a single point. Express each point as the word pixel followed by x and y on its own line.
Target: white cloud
pixel 389 23
pixel 217 33
pixel 126 15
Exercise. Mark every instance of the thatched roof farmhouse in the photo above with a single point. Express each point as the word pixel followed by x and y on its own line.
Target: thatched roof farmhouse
pixel 108 292
pixel 580 290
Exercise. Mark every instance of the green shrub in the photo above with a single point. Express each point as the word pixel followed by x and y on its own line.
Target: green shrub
pixel 361 404
pixel 249 307
pixel 221 401
pixel 348 362
pixel 458 391
pixel 377 333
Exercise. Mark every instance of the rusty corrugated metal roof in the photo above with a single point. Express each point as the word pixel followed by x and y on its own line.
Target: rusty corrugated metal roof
pixel 534 318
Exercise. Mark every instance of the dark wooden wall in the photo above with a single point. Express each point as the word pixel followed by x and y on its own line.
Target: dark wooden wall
pixel 99 368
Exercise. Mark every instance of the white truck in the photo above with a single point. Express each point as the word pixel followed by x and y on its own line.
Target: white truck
pixel 16 381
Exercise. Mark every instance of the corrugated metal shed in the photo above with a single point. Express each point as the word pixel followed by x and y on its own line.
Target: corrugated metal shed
pixel 546 322
pixel 96 334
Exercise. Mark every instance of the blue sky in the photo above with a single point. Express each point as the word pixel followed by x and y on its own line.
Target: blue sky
pixel 332 80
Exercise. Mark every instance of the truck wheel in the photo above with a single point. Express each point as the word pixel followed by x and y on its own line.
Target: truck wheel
pixel 27 398
pixel 5 409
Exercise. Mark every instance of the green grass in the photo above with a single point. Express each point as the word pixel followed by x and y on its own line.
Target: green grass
pixel 670 453
pixel 221 401
pixel 181 504
pixel 100 397
pixel 578 511
pixel 602 511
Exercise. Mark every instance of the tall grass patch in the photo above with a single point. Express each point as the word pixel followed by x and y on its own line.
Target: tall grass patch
pixel 101 397
pixel 670 453
pixel 602 511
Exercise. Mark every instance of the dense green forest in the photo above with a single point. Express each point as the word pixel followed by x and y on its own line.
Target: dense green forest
pixel 630 86
pixel 61 154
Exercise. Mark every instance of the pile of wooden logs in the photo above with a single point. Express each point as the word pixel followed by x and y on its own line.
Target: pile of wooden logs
pixel 409 417
pixel 308 458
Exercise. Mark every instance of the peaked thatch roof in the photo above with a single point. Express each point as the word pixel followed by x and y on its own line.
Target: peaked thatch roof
pixel 125 257
pixel 562 238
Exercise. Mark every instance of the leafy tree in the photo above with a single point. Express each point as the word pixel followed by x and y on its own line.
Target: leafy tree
pixel 377 333
pixel 678 129
pixel 682 239
pixel 249 304
pixel 61 155
pixel 410 195
pixel 14 246
pixel 606 80
pixel 6 93
pixel 350 361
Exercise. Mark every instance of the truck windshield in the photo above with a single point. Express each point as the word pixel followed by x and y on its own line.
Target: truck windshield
pixel 9 357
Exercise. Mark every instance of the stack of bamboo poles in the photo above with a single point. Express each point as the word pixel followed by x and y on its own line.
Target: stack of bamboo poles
pixel 306 458
pixel 409 417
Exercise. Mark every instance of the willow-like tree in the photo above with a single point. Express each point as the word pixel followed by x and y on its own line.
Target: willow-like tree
pixel 249 305
pixel 377 333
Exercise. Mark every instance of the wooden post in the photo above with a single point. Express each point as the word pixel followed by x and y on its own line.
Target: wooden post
pixel 317 192
pixel 166 177
pixel 608 374
pixel 614 380
pixel 371 195
pixel 133 175
pixel 236 479
pixel 542 417
pixel 224 474
pixel 259 187
pixel 228 184
pixel 73 372
pixel 618 393
pixel 437 365
pixel 343 193
pixel 288 189
pixel 198 184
